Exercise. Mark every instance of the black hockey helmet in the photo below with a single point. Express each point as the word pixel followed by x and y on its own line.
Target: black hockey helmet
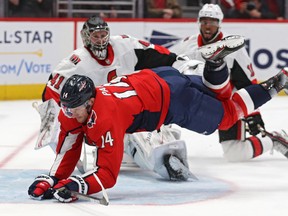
pixel 93 25
pixel 76 91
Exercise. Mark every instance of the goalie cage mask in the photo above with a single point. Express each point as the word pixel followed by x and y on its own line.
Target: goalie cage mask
pixel 91 26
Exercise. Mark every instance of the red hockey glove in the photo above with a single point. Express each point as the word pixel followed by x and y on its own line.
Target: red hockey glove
pixel 62 191
pixel 40 186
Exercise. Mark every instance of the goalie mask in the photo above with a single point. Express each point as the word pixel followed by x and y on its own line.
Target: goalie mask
pixel 75 93
pixel 210 14
pixel 95 36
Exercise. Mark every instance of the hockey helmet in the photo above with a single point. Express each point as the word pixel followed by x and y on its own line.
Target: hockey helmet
pixel 211 11
pixel 77 91
pixel 95 36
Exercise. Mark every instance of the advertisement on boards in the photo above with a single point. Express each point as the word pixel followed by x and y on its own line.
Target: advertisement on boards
pixel 31 50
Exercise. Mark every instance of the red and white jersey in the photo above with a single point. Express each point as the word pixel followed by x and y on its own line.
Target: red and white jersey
pixel 125 55
pixel 238 62
pixel 127 104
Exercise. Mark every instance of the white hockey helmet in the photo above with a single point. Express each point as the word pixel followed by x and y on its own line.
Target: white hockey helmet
pixel 212 11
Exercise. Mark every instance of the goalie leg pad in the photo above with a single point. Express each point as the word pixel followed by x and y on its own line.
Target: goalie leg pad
pixel 139 146
pixel 177 170
pixel 170 161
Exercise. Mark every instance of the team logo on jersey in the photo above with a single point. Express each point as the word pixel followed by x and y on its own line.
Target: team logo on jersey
pixel 75 59
pixel 92 119
pixel 111 75
pixel 163 39
pixel 108 61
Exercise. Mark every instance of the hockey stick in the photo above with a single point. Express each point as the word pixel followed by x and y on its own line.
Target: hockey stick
pixel 105 195
pixel 273 137
pixel 102 201
pixel 269 134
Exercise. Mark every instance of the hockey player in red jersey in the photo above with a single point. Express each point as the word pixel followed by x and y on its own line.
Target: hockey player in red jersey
pixel 237 146
pixel 138 102
pixel 102 58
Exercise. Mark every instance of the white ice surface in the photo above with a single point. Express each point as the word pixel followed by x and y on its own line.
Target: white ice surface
pixel 258 187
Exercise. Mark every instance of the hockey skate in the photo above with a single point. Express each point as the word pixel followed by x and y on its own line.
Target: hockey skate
pixel 177 170
pixel 280 142
pixel 278 82
pixel 217 51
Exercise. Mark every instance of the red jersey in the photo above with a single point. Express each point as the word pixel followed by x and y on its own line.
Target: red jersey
pixel 127 104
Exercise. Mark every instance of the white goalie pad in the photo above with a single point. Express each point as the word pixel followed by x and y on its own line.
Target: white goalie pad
pixel 149 148
pixel 177 148
pixel 50 127
pixel 139 146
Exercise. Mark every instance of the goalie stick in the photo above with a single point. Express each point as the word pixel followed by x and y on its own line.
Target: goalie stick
pixel 102 201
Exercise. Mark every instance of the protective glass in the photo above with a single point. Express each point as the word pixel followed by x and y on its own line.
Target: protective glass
pixel 70 111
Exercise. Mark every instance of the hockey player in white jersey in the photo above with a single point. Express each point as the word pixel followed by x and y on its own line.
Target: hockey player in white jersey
pixel 103 58
pixel 236 146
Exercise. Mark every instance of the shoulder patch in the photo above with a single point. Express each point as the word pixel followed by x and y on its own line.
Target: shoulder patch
pixel 75 59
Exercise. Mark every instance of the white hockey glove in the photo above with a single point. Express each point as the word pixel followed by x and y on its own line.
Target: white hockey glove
pixel 49 128
pixel 188 66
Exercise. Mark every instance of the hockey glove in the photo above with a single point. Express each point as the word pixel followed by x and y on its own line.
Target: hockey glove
pixel 253 121
pixel 62 191
pixel 40 186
